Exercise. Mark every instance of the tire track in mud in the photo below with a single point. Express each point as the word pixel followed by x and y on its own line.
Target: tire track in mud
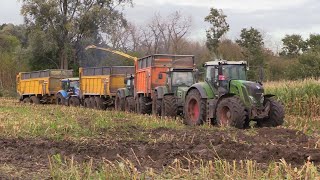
pixel 262 145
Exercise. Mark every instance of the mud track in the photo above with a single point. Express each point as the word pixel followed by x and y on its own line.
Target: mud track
pixel 261 145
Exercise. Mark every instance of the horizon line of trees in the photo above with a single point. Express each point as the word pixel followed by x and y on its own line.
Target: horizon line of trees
pixel 55 34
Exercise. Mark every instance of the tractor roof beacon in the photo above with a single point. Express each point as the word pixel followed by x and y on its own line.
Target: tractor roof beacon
pixel 226 98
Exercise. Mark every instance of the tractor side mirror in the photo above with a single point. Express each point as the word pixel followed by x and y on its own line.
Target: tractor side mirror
pixel 160 76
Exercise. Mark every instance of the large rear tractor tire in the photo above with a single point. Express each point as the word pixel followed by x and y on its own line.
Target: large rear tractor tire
pixel 156 104
pixel 276 114
pixel 169 106
pixel 99 103
pixel 60 100
pixel 142 107
pixel 194 109
pixel 231 112
pixel 27 100
pixel 86 103
pixel 129 104
pixel 35 100
pixel 74 102
pixel 119 103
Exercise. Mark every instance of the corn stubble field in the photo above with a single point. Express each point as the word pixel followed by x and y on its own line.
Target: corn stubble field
pixel 57 142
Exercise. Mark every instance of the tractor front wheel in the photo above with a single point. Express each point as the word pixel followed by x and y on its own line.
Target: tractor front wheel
pixel 156 104
pixel 276 114
pixel 119 102
pixel 129 104
pixel 194 109
pixel 60 100
pixel 231 112
pixel 169 106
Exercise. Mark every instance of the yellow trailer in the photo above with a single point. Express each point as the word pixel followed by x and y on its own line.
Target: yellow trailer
pixel 99 85
pixel 40 86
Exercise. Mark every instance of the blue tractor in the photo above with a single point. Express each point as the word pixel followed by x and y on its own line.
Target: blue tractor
pixel 69 93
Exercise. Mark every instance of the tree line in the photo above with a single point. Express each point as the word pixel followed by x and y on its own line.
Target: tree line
pixel 55 34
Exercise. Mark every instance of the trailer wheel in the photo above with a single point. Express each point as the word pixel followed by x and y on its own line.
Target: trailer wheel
pixel 26 100
pixel 99 103
pixel 119 102
pixel 60 99
pixel 74 102
pixel 276 114
pixel 169 106
pixel 156 104
pixel 231 112
pixel 86 103
pixel 195 109
pixel 129 104
pixel 35 100
pixel 93 104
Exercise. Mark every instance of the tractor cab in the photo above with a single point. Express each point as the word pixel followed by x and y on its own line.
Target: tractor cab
pixel 70 86
pixel 180 78
pixel 129 82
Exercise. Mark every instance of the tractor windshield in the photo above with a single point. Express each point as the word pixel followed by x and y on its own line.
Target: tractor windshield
pixel 182 78
pixel 237 72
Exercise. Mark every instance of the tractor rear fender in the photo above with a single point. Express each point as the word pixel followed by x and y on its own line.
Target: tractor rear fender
pixel 123 92
pixel 63 93
pixel 204 89
pixel 161 91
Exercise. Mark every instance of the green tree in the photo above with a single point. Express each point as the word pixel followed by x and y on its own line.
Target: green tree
pixel 219 27
pixel 251 41
pixel 293 45
pixel 314 42
pixel 66 23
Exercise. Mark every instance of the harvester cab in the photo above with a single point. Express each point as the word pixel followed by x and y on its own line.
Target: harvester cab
pixel 226 98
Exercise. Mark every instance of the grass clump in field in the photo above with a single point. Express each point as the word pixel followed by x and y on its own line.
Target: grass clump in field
pixel 60 168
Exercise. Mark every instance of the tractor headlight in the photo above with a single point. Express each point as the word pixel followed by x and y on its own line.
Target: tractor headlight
pixel 262 99
pixel 253 100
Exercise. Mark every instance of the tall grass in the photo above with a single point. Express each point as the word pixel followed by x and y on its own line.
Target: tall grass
pixel 301 98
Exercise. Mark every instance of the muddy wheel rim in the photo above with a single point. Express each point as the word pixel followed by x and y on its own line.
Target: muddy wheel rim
pixel 194 111
pixel 225 116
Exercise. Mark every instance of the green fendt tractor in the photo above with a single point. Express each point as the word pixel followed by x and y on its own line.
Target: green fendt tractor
pixel 168 100
pixel 226 98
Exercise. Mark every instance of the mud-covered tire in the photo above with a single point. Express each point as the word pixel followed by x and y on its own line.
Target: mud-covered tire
pixel 129 104
pixel 194 109
pixel 276 114
pixel 86 103
pixel 169 106
pixel 93 104
pixel 74 101
pixel 26 100
pixel 119 102
pixel 99 103
pixel 156 104
pixel 35 100
pixel 142 107
pixel 231 112
pixel 60 99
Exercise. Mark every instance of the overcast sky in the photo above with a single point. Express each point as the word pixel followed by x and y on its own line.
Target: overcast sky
pixel 274 18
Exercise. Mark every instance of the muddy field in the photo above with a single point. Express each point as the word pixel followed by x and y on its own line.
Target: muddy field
pixel 163 146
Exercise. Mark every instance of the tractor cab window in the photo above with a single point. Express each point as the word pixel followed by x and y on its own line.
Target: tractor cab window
pixel 65 85
pixel 74 84
pixel 230 72
pixel 182 78
pixel 212 74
